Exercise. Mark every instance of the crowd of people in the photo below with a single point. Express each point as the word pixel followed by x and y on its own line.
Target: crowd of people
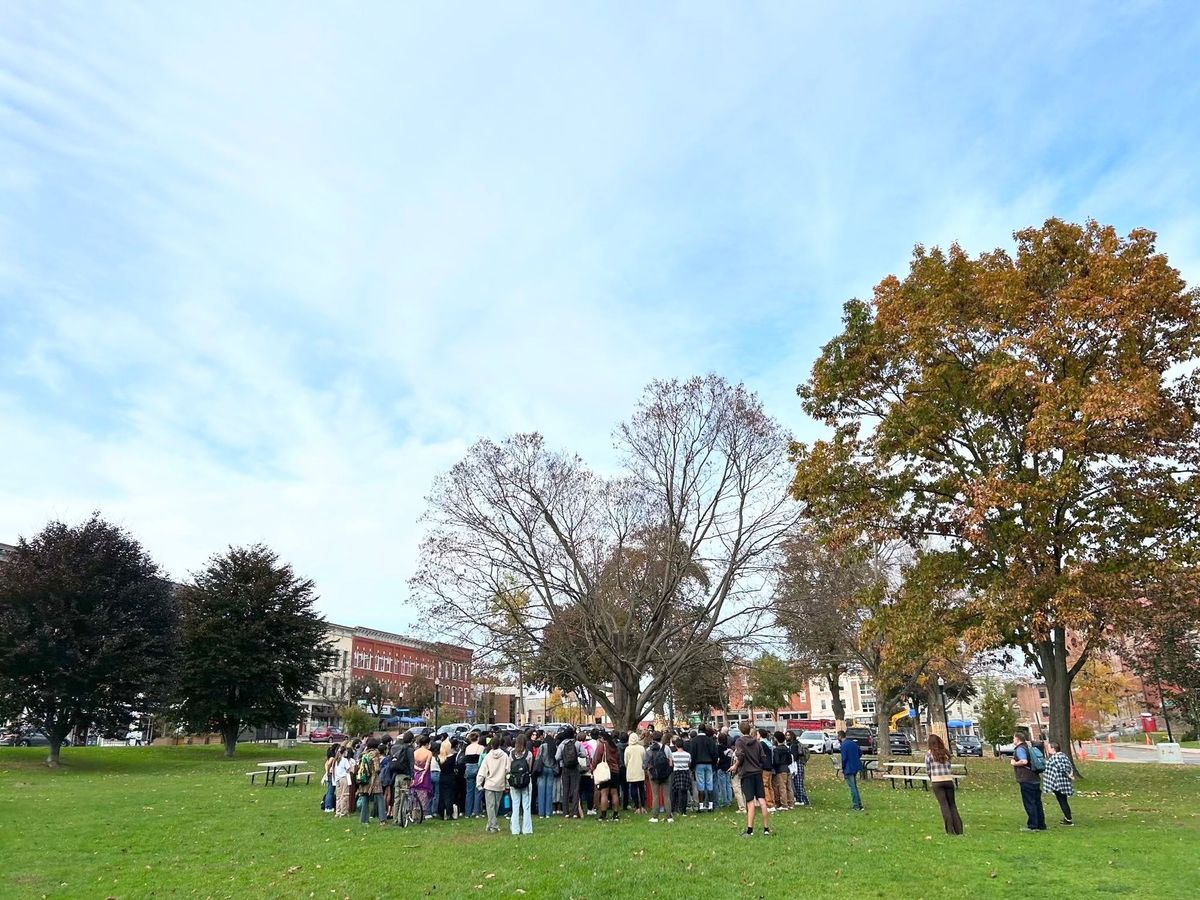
pixel 569 773
pixel 604 774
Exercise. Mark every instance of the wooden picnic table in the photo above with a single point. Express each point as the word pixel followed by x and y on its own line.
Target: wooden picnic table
pixel 909 771
pixel 270 771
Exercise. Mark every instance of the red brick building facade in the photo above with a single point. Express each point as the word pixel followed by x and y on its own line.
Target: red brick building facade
pixel 394 660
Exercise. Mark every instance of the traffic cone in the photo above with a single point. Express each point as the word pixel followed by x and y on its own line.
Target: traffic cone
pixel 1110 754
pixel 1082 750
pixel 1148 742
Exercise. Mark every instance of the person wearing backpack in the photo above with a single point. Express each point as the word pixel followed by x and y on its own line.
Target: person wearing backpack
pixel 568 762
pixel 1059 780
pixel 1028 763
pixel 520 787
pixel 369 787
pixel 658 767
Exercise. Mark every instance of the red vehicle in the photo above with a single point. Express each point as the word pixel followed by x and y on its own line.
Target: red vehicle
pixel 324 734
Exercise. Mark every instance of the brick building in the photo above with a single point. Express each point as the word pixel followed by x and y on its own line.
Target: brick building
pixel 395 660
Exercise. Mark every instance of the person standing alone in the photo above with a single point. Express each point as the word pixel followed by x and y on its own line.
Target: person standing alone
pixel 851 756
pixel 941 779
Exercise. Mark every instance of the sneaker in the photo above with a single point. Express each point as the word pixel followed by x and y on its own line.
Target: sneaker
pixel 1027 828
pixel 653 820
pixel 747 833
pixel 616 818
pixel 766 832
pixel 1066 822
pixel 670 820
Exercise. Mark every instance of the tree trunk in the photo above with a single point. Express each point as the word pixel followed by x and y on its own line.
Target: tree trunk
pixel 55 749
pixel 835 689
pixel 882 725
pixel 229 736
pixel 1053 664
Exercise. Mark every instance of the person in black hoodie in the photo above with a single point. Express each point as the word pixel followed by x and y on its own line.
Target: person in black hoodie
pixel 705 754
pixel 753 758
pixel 781 766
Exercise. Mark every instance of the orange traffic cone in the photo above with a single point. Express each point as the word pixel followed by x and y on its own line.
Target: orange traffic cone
pixel 1082 750
pixel 1110 754
pixel 1148 742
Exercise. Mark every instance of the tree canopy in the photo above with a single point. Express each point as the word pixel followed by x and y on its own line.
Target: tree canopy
pixel 641 569
pixel 1028 422
pixel 87 630
pixel 252 644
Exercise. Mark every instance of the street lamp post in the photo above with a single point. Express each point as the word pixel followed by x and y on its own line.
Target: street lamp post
pixel 437 700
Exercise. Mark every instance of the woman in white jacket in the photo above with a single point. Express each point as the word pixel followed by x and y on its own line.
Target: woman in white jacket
pixel 492 779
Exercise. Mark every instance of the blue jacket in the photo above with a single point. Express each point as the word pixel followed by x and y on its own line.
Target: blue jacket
pixel 851 757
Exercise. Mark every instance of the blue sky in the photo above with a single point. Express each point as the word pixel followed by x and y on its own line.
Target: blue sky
pixel 265 270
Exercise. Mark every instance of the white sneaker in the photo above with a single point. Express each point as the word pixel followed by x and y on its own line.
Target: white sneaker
pixel 670 820
pixel 653 820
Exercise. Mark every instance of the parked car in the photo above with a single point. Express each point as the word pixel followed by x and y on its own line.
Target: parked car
pixel 455 728
pixel 968 745
pixel 325 733
pixel 29 738
pixel 1004 749
pixel 863 737
pixel 815 741
pixel 899 744
pixel 555 727
pixel 416 731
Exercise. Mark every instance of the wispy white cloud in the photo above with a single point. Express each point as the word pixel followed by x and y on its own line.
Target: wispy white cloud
pixel 266 270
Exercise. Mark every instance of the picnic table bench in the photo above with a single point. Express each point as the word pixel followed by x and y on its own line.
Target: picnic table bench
pixel 870 764
pixel 909 772
pixel 270 771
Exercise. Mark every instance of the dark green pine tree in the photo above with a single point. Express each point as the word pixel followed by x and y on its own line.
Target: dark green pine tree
pixel 252 644
pixel 88 630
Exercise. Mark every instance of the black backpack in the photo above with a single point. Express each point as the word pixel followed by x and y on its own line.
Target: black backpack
pixel 518 772
pixel 570 759
pixel 539 762
pixel 660 766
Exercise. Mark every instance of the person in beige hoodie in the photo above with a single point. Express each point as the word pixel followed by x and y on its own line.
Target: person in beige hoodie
pixel 635 772
pixel 492 779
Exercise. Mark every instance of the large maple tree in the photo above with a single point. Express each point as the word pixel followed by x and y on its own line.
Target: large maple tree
pixel 1029 421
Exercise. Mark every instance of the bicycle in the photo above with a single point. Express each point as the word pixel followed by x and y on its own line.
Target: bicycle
pixel 408 810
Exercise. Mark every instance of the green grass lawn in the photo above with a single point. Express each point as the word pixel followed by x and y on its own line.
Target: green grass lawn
pixel 183 821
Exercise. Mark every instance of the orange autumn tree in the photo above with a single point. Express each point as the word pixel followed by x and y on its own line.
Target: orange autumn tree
pixel 1030 422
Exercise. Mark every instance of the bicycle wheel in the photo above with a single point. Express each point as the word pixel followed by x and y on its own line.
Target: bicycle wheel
pixel 402 810
pixel 417 813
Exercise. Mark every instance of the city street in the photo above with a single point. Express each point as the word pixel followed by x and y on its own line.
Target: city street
pixel 1141 754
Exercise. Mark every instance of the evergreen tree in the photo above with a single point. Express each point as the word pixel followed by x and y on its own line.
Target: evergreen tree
pixel 252 644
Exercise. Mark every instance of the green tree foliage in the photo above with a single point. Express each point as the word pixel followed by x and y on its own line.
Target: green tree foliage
pixel 370 691
pixel 997 718
pixel 1029 422
pixel 357 722
pixel 419 695
pixel 252 644
pixel 771 682
pixel 87 630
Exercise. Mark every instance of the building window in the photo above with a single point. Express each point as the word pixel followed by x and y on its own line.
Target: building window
pixel 869 706
pixel 822 705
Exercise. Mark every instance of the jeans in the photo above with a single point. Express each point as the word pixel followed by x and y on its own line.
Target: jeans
pixel 704 777
pixel 522 818
pixel 380 812
pixel 637 794
pixel 436 778
pixel 1031 799
pixel 852 783
pixel 723 788
pixel 545 792
pixel 330 796
pixel 474 796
